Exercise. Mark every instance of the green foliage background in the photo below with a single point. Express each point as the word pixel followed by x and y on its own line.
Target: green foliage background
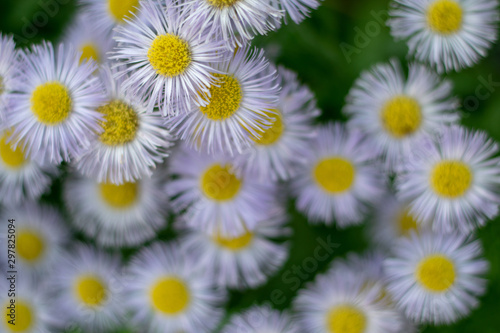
pixel 313 49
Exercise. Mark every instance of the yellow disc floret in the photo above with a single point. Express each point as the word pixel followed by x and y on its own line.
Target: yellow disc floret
pixel 222 3
pixel 51 103
pixel 23 317
pixel 346 319
pixel 170 295
pixel 91 290
pixel 121 9
pixel 119 196
pixel 401 116
pixel 451 179
pixel 235 243
pixel 89 51
pixel 169 55
pixel 406 223
pixel 436 273
pixel 29 245
pixel 445 16
pixel 334 175
pixel 220 183
pixel 120 123
pixel 273 133
pixel 225 98
pixel 13 158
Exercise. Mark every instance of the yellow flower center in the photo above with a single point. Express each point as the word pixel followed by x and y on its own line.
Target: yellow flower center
pixel 89 51
pixel 406 223
pixel 170 296
pixel 225 98
pixel 13 158
pixel 51 103
pixel 169 55
pixel 346 319
pixel 451 179
pixel 334 175
pixel 273 133
pixel 222 3
pixel 401 116
pixel 445 17
pixel 235 243
pixel 219 183
pixel 121 9
pixel 23 317
pixel 29 245
pixel 91 290
pixel 436 273
pixel 119 196
pixel 120 123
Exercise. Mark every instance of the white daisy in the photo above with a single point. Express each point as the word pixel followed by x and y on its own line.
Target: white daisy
pixel 280 148
pixel 167 294
pixel 258 319
pixel 53 113
pixel 452 181
pixel 169 60
pixel 40 234
pixel 298 10
pixel 395 113
pixel 21 178
pixel 244 261
pixel 340 302
pixel 117 215
pixel 215 199
pixel 448 34
pixel 132 142
pixel 89 286
pixel 341 178
pixel 239 105
pixel 87 38
pixel 8 63
pixel 107 14
pixel 435 278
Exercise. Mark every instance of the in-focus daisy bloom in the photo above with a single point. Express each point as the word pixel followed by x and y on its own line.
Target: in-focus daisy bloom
pixel 243 261
pixel 168 59
pixel 338 302
pixel 89 285
pixel 166 293
pixel 53 112
pixel 435 278
pixel 395 112
pixel 132 142
pixel 117 215
pixel 298 10
pixel 259 319
pixel 21 178
pixel 341 178
pixel 279 149
pixel 216 199
pixel 107 14
pixel 40 234
pixel 239 105
pixel 452 181
pixel 448 34
pixel 7 64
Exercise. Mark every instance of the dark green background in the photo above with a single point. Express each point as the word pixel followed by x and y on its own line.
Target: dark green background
pixel 313 49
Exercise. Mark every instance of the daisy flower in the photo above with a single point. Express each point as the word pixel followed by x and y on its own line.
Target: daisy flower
pixel 452 181
pixel 339 302
pixel 132 142
pixel 340 180
pixel 215 199
pixel 244 261
pixel 8 62
pixel 40 236
pixel 21 178
pixel 298 10
pixel 262 319
pixel 107 14
pixel 168 59
pixel 117 215
pixel 395 113
pixel 278 150
pixel 166 293
pixel 84 35
pixel 239 106
pixel 53 112
pixel 89 285
pixel 448 34
pixel 435 278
